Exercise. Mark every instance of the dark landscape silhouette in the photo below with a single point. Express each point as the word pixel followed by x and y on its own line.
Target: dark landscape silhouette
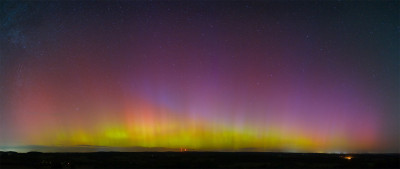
pixel 195 160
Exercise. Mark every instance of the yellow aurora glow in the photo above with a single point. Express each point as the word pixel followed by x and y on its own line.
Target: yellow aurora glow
pixel 193 136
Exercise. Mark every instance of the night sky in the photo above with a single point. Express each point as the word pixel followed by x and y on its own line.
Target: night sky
pixel 299 76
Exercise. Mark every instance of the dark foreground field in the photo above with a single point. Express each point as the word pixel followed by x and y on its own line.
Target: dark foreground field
pixel 195 160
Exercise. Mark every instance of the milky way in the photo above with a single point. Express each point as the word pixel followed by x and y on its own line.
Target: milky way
pixel 215 76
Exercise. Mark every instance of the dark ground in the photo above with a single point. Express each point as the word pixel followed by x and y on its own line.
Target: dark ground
pixel 195 160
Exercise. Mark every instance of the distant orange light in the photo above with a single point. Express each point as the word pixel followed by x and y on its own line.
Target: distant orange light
pixel 348 157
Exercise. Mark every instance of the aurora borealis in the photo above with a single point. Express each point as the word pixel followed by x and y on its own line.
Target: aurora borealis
pixel 207 76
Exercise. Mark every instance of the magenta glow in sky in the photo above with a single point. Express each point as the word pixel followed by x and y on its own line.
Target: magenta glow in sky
pixel 215 76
